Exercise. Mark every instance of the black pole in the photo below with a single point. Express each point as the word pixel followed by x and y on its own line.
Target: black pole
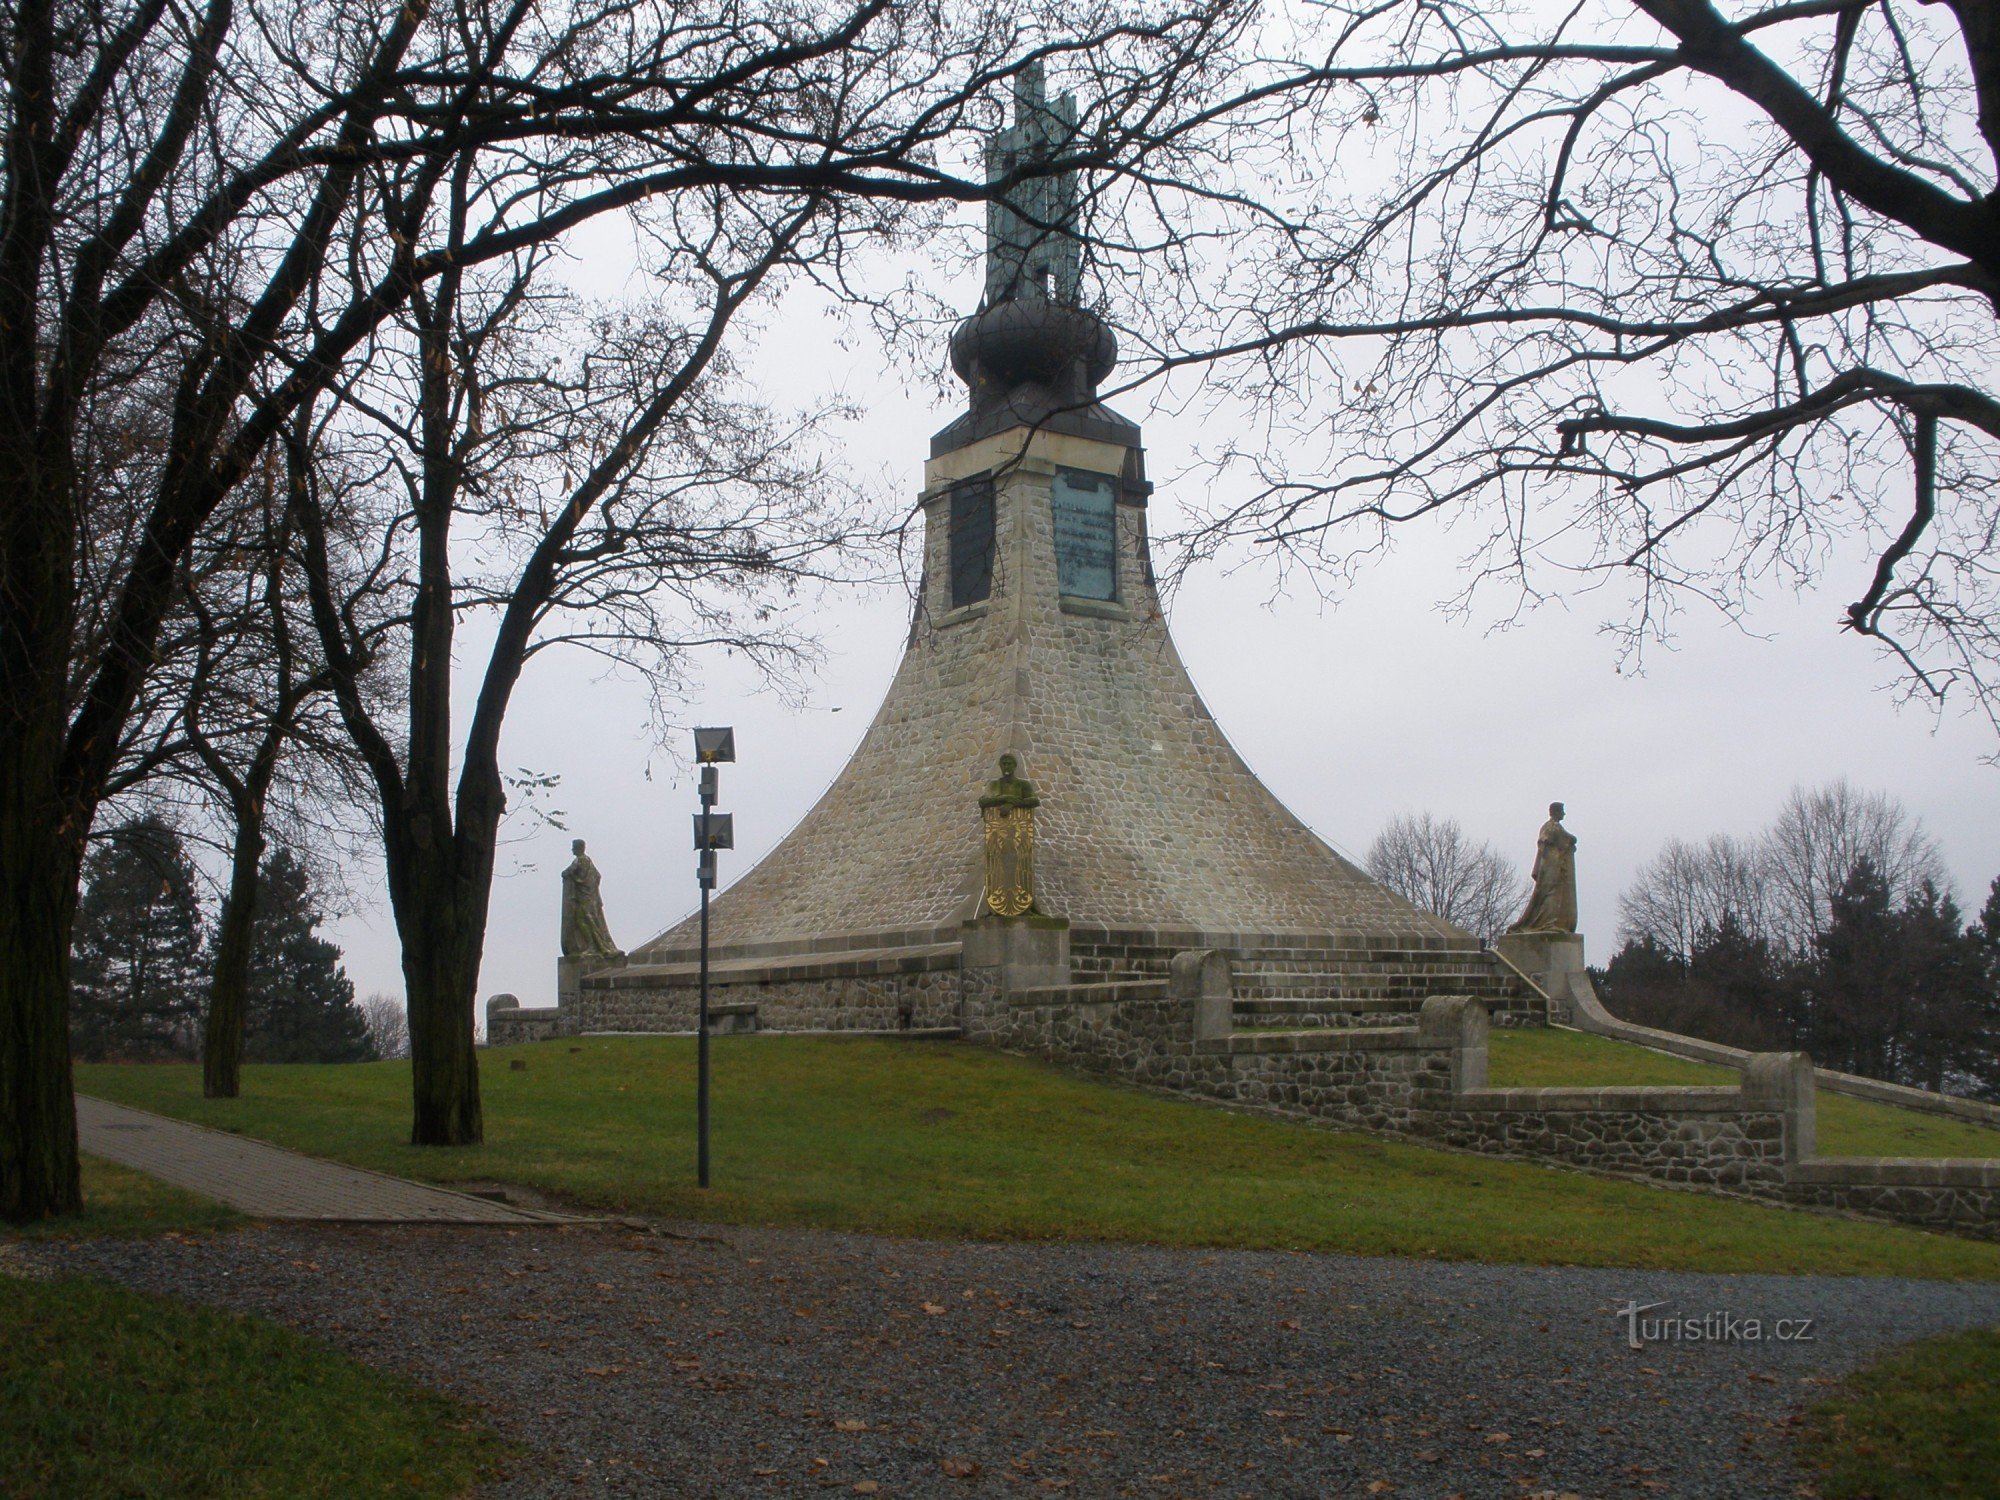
pixel 707 878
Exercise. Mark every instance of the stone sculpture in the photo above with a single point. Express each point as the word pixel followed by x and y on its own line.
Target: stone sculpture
pixel 1552 902
pixel 1008 811
pixel 585 933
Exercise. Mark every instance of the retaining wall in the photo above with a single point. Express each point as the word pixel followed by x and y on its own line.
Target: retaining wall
pixel 1428 1082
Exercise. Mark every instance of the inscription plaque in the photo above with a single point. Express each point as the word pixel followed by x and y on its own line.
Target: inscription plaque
pixel 1086 534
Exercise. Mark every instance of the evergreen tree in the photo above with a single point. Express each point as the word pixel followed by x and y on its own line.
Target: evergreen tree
pixel 1856 992
pixel 1738 976
pixel 1983 939
pixel 1728 990
pixel 137 974
pixel 301 1002
pixel 1944 1032
pixel 1638 974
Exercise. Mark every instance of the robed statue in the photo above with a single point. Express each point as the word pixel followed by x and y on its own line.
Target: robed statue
pixel 1008 812
pixel 585 934
pixel 1552 903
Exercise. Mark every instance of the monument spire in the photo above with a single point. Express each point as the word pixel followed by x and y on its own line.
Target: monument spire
pixel 1033 355
pixel 1031 244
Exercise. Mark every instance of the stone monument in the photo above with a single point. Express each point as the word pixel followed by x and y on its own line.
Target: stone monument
pixel 1552 902
pixel 1038 634
pixel 585 933
pixel 586 937
pixel 1543 944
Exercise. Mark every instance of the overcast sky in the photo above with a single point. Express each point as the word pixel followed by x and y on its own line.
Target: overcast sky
pixel 1351 714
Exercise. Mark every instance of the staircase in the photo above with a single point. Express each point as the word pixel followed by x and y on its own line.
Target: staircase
pixel 1296 984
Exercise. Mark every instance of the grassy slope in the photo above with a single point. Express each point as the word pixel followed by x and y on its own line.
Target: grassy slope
pixel 105 1391
pixel 945 1140
pixel 1921 1424
pixel 1847 1126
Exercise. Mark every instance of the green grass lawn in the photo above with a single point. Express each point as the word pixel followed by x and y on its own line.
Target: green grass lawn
pixel 1847 1126
pixel 118 1201
pixel 946 1140
pixel 1922 1424
pixel 105 1391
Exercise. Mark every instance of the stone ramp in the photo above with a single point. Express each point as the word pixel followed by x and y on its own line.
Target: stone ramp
pixel 271 1182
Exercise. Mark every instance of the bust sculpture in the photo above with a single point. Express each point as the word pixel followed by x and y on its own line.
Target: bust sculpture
pixel 1008 812
pixel 1010 790
pixel 1552 902
pixel 585 934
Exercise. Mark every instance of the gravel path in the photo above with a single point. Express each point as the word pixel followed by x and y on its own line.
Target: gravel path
pixel 759 1362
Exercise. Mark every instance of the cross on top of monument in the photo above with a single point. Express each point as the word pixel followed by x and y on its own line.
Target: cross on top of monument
pixel 1031 246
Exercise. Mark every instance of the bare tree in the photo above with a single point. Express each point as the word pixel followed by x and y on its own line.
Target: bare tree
pixel 238 197
pixel 1818 840
pixel 388 1025
pixel 256 711
pixel 1687 893
pixel 1779 886
pixel 1641 296
pixel 621 502
pixel 1434 864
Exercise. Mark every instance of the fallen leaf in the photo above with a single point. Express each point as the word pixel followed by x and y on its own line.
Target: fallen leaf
pixel 959 1468
pixel 1292 1324
pixel 850 1425
pixel 868 1487
pixel 1498 1437
pixel 933 1308
pixel 1380 1487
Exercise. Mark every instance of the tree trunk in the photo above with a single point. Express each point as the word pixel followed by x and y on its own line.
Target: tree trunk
pixel 441 973
pixel 38 875
pixel 42 832
pixel 229 983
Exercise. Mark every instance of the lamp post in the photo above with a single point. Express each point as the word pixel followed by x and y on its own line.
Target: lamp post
pixel 712 831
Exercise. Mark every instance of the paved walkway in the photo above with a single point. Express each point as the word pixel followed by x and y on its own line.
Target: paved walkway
pixel 269 1182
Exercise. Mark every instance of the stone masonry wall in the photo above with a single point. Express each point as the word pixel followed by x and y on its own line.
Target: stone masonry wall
pixel 1695 1137
pixel 1957 1195
pixel 919 992
pixel 1137 1031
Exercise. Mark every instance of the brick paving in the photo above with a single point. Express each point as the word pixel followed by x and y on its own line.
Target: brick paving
pixel 270 1182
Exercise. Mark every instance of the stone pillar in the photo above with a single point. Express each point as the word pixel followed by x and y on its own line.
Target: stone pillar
pixel 570 974
pixel 1459 1022
pixel 499 1010
pixel 1031 952
pixel 1554 960
pixel 1204 979
pixel 1782 1083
